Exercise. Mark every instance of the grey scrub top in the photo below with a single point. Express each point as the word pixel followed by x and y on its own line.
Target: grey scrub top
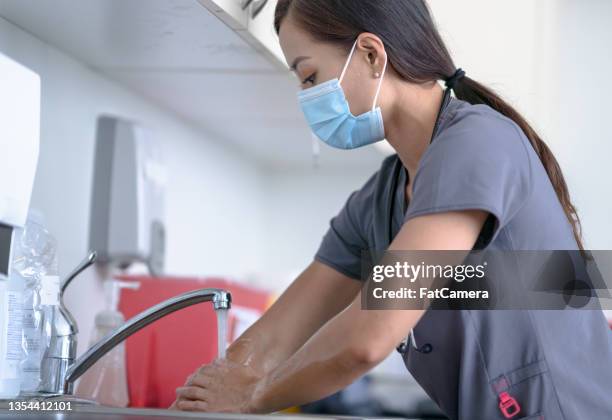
pixel 556 364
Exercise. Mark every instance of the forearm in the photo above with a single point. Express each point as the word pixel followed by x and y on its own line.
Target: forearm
pixel 317 295
pixel 320 368
pixel 344 349
pixel 259 348
pixel 311 382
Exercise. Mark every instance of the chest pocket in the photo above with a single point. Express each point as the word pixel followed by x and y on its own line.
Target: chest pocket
pixel 525 392
pixel 520 384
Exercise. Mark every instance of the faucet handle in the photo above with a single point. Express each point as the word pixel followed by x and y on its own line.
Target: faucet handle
pixel 65 324
pixel 84 265
pixel 61 350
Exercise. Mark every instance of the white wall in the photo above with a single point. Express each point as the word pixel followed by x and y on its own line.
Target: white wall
pixel 577 110
pixel 214 201
pixel 299 206
pixel 494 42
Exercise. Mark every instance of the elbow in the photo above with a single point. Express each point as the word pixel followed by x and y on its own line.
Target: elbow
pixel 365 355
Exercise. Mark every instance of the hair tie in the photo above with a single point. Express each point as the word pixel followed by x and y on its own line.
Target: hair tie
pixel 452 81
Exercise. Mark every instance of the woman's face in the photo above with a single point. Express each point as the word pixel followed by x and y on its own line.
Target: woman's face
pixel 314 62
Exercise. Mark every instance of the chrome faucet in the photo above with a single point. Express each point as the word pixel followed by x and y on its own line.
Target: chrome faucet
pixel 60 369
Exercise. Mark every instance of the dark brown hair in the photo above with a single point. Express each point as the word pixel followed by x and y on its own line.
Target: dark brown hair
pixel 418 54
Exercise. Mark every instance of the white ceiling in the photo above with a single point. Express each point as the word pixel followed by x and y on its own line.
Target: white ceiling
pixel 176 53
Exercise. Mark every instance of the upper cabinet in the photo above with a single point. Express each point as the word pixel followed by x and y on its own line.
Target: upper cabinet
pixel 215 63
pixel 254 21
pixel 261 26
pixel 232 12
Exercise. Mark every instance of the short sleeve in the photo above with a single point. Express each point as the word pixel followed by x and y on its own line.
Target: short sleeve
pixel 480 162
pixel 346 238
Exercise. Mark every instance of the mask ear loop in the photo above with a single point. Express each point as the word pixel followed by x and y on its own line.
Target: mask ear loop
pixel 382 76
pixel 348 61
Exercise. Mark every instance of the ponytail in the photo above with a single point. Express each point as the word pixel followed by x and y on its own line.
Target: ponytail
pixel 473 92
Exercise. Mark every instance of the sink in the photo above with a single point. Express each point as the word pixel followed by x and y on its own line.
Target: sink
pixel 92 411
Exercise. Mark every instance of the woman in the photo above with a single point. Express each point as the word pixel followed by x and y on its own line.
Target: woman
pixel 469 173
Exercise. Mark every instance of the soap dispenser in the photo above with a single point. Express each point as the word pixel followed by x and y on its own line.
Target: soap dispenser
pixel 19 147
pixel 106 381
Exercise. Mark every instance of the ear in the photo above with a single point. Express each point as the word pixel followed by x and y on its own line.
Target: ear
pixel 374 49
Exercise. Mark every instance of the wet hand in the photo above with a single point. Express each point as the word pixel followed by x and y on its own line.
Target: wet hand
pixel 222 387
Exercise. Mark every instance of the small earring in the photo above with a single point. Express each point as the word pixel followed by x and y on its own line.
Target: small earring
pixel 377 75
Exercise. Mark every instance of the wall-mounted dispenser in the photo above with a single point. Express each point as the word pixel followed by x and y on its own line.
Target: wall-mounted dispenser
pixel 127 206
pixel 19 143
pixel 19 139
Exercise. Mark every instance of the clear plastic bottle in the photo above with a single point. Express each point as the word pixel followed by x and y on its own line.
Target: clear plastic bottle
pixel 106 381
pixel 35 263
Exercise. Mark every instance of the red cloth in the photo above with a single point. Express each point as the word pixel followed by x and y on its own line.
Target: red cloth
pixel 161 356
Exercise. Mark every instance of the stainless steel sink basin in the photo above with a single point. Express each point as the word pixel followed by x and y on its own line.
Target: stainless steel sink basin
pixel 106 413
pixel 81 410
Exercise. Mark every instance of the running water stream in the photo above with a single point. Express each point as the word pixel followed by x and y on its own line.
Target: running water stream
pixel 221 332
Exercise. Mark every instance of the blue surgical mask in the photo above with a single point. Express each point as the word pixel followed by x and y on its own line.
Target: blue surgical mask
pixel 329 116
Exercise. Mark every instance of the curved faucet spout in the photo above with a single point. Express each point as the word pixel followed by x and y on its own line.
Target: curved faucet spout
pixel 220 298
